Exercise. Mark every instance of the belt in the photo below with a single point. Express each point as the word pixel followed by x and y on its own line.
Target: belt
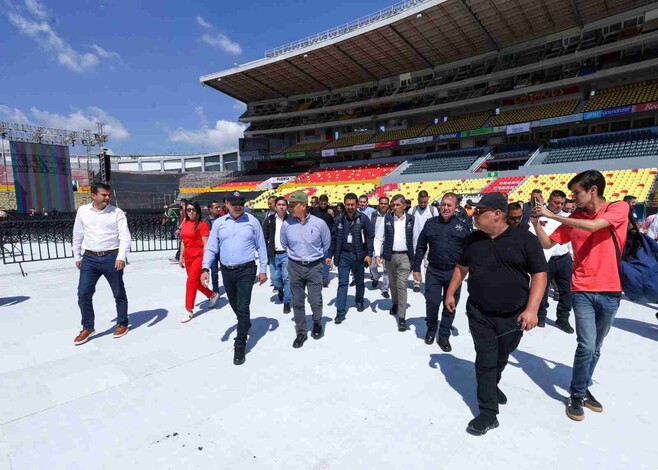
pixel 306 263
pixel 240 266
pixel 498 313
pixel 280 252
pixel 442 267
pixel 101 253
pixel 559 256
pixel 404 252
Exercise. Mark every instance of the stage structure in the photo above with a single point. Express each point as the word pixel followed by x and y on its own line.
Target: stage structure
pixel 41 165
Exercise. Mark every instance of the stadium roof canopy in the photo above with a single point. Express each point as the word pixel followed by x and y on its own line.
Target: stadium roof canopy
pixel 409 36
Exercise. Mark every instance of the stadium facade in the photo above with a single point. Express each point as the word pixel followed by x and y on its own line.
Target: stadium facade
pixel 485 95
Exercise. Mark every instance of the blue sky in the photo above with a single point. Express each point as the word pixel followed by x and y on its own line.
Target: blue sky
pixel 136 65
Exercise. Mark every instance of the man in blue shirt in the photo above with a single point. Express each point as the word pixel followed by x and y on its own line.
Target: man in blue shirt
pixel 307 240
pixel 352 242
pixel 236 237
pixel 364 207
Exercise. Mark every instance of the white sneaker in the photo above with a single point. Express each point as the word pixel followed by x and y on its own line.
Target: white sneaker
pixel 213 300
pixel 187 317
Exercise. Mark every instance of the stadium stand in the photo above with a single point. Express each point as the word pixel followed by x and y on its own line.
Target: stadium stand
pixel 399 134
pixel 634 93
pixel 436 189
pixel 604 146
pixel 307 146
pixel 349 173
pixel 349 140
pixel 505 184
pixel 458 124
pixel 535 113
pixel 445 161
pixel 388 189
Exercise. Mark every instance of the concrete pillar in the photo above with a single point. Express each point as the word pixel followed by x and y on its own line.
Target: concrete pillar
pixel 203 163
pixel 221 162
pixel 182 165
pixel 162 168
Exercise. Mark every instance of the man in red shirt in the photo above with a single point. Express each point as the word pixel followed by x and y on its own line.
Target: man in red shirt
pixel 596 284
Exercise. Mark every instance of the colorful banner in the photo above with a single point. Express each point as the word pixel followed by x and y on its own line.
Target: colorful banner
pixel 545 95
pixel 390 143
pixel 363 147
pixel 295 154
pixel 481 131
pixel 454 135
pixel 518 128
pixel 641 108
pixel 329 153
pixel 558 120
pixel 42 177
pixel 601 113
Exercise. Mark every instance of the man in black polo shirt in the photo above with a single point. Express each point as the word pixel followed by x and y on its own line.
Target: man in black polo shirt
pixel 507 278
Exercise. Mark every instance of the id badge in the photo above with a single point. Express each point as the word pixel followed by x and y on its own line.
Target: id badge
pixel 349 238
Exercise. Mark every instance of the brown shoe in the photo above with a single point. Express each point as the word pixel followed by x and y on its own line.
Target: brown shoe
pixel 120 331
pixel 83 337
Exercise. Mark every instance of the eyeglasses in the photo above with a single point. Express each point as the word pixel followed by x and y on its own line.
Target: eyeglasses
pixel 191 209
pixel 482 210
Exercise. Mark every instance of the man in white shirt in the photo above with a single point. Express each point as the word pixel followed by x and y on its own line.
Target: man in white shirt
pixel 421 214
pixel 560 265
pixel 101 241
pixel 377 220
pixel 394 243
pixel 276 253
pixel 652 231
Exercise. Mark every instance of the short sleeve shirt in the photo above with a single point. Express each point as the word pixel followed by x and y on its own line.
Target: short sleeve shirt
pixel 192 239
pixel 500 268
pixel 595 266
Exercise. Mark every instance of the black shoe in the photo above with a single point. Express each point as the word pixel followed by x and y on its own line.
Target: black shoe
pixel 360 307
pixel 280 294
pixel 394 310
pixel 339 319
pixel 541 323
pixel 385 294
pixel 238 356
pixel 575 408
pixel 286 308
pixel 416 288
pixel 299 341
pixel 556 296
pixel 430 335
pixel 502 398
pixel 480 425
pixel 564 326
pixel 325 283
pixel 317 330
pixel 444 344
pixel 402 324
pixel 375 284
pixel 592 403
pixel 353 283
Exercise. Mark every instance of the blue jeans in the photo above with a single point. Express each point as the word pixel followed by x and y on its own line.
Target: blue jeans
pixel 594 313
pixel 92 268
pixel 279 275
pixel 346 264
pixel 325 272
pixel 214 274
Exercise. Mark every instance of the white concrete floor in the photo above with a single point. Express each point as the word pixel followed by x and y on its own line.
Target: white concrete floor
pixel 365 396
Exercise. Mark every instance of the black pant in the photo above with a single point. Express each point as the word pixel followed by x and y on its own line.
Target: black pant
pixel 436 286
pixel 491 353
pixel 238 284
pixel 560 270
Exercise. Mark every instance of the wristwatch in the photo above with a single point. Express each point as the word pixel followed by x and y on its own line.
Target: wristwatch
pixel 205 270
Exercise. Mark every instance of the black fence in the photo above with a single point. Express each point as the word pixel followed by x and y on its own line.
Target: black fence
pixel 24 240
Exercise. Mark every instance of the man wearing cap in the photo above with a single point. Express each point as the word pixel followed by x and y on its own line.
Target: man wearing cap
pixel 352 249
pixel 237 236
pixel 507 277
pixel 445 237
pixel 307 239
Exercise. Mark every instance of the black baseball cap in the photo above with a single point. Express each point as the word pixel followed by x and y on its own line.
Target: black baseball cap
pixel 493 201
pixel 235 199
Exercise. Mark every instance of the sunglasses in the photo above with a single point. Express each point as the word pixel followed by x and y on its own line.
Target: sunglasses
pixel 482 210
pixel 191 209
pixel 517 217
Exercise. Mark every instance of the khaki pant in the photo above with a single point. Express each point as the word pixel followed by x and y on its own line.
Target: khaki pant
pixel 398 270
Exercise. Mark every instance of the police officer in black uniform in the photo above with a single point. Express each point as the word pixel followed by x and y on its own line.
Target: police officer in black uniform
pixel 445 235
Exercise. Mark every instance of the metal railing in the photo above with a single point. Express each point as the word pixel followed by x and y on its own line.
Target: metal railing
pixel 332 33
pixel 29 240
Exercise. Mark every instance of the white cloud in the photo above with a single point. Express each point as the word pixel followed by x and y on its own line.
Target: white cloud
pixel 202 116
pixel 223 42
pixel 80 120
pixel 201 22
pixel 13 115
pixel 34 27
pixel 223 137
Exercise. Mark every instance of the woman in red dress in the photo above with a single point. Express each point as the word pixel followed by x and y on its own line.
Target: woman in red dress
pixel 194 232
